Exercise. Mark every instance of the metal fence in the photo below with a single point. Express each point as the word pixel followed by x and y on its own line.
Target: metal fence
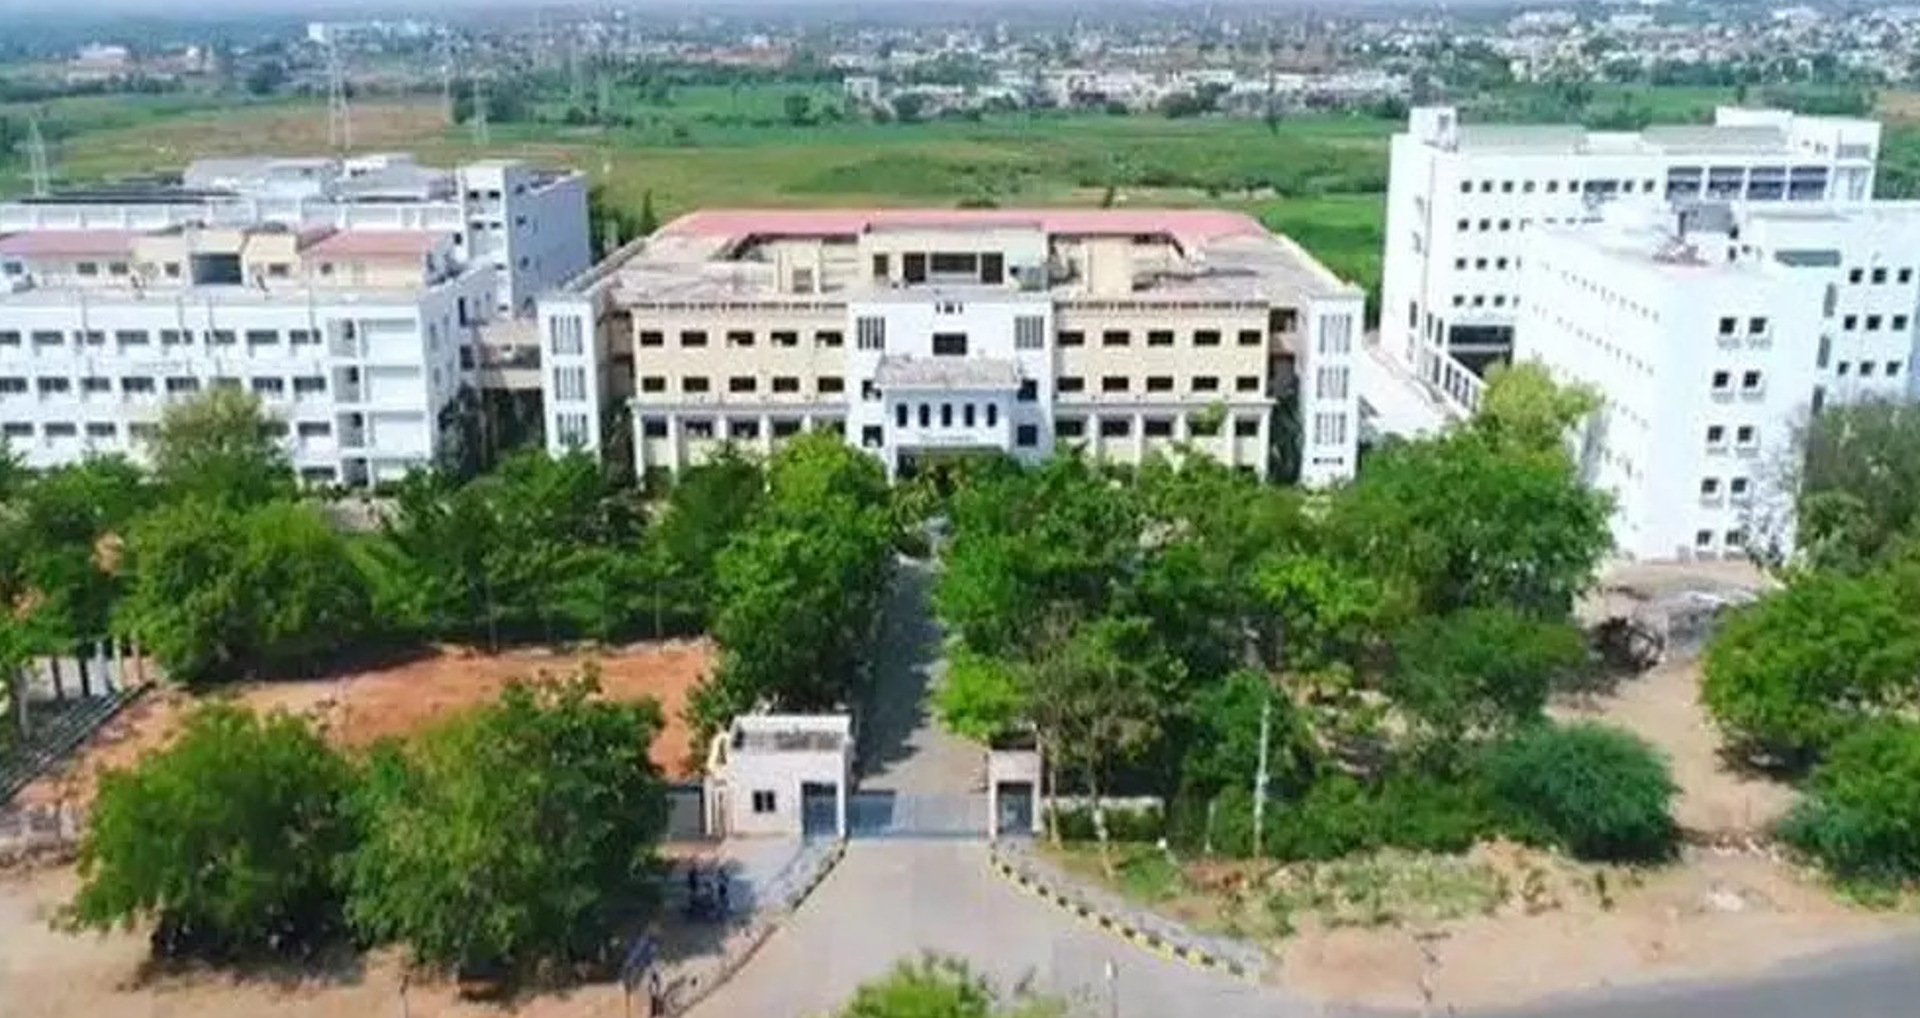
pixel 886 814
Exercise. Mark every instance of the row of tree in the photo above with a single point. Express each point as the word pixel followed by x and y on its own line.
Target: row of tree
pixel 514 837
pixel 1146 626
pixel 1818 680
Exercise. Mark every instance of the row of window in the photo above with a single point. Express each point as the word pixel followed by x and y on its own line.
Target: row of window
pixel 1738 487
pixel 140 430
pixel 1736 538
pixel 1068 384
pixel 1160 337
pixel 947 413
pixel 743 338
pixel 1553 186
pixel 1866 369
pixel 1751 381
pixel 1871 323
pixel 1878 276
pixel 1028 335
pixel 1155 427
pixel 748 428
pixel 827 385
pixel 1482 264
pixel 1757 326
pixel 265 385
pixel 166 337
pixel 1480 300
pixel 1745 437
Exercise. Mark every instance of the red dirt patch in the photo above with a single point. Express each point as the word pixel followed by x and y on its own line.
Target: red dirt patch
pixel 359 707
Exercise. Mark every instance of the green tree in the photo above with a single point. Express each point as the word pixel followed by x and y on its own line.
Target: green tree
pixel 708 505
pixel 798 107
pixel 1479 672
pixel 220 592
pixel 1597 791
pixel 518 834
pixel 937 987
pixel 1857 471
pixel 1524 406
pixel 69 524
pixel 649 221
pixel 1788 675
pixel 230 837
pixel 1857 819
pixel 218 446
pixel 981 698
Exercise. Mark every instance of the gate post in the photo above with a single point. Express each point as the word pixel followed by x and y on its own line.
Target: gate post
pixel 840 808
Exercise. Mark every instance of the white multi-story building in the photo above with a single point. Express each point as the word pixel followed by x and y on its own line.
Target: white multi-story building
pixel 1711 333
pixel 1461 200
pixel 528 223
pixel 354 339
pixel 924 333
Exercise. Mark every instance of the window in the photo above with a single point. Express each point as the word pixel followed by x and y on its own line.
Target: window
pixel 221 337
pixel 1115 337
pixel 1249 337
pixel 653 383
pixel 1246 383
pixel 62 429
pixel 653 427
pixel 869 391
pixel 1893 368
pixel 829 337
pixel 9 337
pixel 786 383
pixel 1506 187
pixel 926 415
pixel 1903 276
pixel 784 337
pixel 299 337
pixel 1466 187
pixel 1716 434
pixel 12 386
pixel 181 384
pixel 1029 390
pixel 269 386
pixel 1070 427
pixel 653 337
pixel 1866 369
pixel 1206 337
pixel 1721 381
pixel 946 415
pixel 1737 487
pixel 1850 322
pixel 570 384
pixel 913 268
pixel 1116 427
pixel 899 415
pixel 1460 263
pixel 1159 383
pixel 16 429
pixel 101 429
pixel 870 332
pixel 1756 326
pixel 308 385
pixel 1750 381
pixel 1070 383
pixel 1553 187
pixel 1331 383
pixel 1879 276
pixel 1898 324
pixel 131 337
pixel 739 337
pixel 831 384
pixel 762 798
pixel 175 337
pixel 1736 538
pixel 1873 323
pixel 882 266
pixel 693 337
pixel 1113 383
pixel 693 384
pixel 1157 427
pixel 1703 539
pixel 1071 338
pixel 743 427
pixel 872 436
pixel 49 386
pixel 1160 337
pixel 1744 435
pixel 993 415
pixel 1029 332
pixel 44 338
pixel 949 344
pixel 1246 427
pixel 1709 487
pixel 95 337
pixel 87 268
pixel 698 427
pixel 96 383
pixel 742 383
pixel 1206 383
pixel 966 415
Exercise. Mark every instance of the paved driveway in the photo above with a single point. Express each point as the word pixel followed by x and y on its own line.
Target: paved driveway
pixel 902 746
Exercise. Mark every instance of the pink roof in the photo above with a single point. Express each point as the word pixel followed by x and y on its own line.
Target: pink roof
pixel 67 243
pixel 375 244
pixel 1199 224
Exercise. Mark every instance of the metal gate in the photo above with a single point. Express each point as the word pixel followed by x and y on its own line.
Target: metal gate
pixel 887 814
pixel 819 811
pixel 1016 809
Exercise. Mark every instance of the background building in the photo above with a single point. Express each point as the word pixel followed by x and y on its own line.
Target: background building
pixel 1712 332
pixel 924 333
pixel 1462 198
pixel 354 339
pixel 528 223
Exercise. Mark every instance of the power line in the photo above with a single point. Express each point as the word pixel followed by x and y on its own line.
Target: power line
pixel 339 118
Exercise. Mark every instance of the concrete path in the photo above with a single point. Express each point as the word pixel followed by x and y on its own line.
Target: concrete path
pixel 902 746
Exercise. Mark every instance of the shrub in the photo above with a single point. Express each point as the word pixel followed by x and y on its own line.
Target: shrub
pixel 1861 817
pixel 1124 822
pixel 1340 816
pixel 229 838
pixel 1597 792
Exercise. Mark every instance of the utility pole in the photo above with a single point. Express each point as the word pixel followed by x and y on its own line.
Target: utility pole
pixel 479 115
pixel 1260 775
pixel 38 175
pixel 339 120
pixel 446 87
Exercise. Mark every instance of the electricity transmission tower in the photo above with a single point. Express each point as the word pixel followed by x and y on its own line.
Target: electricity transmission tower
pixel 339 119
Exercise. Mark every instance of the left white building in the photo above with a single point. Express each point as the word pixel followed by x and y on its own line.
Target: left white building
pixel 355 339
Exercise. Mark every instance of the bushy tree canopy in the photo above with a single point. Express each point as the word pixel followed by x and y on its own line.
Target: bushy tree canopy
pixel 1861 816
pixel 1597 791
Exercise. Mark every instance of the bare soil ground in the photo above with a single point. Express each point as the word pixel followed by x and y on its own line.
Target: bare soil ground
pixel 356 708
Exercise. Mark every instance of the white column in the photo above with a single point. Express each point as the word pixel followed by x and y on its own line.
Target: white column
pixel 1139 438
pixel 1266 457
pixel 1229 439
pixel 674 453
pixel 766 435
pixel 639 445
pixel 1093 436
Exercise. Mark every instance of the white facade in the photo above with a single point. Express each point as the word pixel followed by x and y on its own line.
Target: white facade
pixel 764 768
pixel 528 223
pixel 354 343
pixel 1462 199
pixel 920 334
pixel 1711 345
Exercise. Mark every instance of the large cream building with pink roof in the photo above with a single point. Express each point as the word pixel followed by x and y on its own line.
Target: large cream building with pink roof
pixel 917 334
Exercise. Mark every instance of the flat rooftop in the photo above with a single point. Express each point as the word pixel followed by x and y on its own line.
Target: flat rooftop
pixel 1676 139
pixel 697 258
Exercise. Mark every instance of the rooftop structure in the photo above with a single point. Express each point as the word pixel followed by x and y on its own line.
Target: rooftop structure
pixel 1462 198
pixel 923 333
